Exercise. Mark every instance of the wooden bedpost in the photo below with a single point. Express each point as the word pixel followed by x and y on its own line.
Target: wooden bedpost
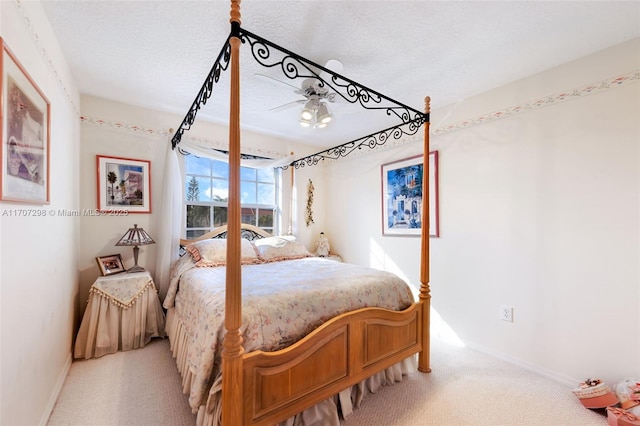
pixel 232 344
pixel 425 291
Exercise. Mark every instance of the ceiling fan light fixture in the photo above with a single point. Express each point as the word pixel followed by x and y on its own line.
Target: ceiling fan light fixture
pixel 323 115
pixel 305 122
pixel 315 114
pixel 308 112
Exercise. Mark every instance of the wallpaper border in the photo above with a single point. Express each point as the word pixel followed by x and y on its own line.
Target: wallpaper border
pixel 510 111
pixel 148 131
pixel 47 59
pixel 545 101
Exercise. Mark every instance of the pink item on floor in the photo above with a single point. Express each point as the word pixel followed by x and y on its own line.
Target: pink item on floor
pixel 620 417
pixel 593 393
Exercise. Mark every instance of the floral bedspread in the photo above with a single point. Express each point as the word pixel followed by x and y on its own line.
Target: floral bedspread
pixel 282 302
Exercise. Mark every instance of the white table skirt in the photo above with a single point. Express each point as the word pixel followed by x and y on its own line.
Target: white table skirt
pixel 108 326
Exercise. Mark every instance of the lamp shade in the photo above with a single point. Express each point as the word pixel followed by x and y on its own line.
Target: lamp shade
pixel 308 111
pixel 305 122
pixel 135 237
pixel 323 115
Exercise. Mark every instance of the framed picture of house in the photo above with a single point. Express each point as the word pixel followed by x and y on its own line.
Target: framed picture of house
pixel 124 184
pixel 402 196
pixel 24 156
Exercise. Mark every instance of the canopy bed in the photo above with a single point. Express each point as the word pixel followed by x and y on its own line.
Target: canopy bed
pixel 267 384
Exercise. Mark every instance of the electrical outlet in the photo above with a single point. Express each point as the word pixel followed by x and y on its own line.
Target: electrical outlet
pixel 506 313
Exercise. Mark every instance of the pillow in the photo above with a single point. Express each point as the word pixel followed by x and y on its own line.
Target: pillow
pixel 213 252
pixel 273 249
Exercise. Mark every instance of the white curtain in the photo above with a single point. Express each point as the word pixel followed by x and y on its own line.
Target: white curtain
pixel 170 217
pixel 169 221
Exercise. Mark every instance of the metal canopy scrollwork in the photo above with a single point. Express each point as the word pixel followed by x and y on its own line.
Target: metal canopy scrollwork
pixel 295 67
pixel 370 141
pixel 221 64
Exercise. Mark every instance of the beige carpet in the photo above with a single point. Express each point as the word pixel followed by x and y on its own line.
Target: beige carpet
pixel 142 387
pixel 138 387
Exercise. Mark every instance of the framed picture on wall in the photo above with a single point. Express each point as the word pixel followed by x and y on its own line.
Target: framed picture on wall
pixel 111 264
pixel 402 196
pixel 24 156
pixel 124 184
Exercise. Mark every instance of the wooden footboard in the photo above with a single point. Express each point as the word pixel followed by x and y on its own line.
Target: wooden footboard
pixel 335 356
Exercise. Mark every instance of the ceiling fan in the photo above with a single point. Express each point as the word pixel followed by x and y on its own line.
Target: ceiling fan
pixel 315 112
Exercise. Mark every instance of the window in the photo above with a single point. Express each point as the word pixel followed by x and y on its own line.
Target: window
pixel 207 194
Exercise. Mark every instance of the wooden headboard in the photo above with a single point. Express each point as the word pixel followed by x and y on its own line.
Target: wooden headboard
pixel 249 232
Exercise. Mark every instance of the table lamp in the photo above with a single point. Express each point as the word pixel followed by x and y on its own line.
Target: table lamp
pixel 135 237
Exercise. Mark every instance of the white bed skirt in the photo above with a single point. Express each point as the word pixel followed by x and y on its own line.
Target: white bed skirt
pixel 326 413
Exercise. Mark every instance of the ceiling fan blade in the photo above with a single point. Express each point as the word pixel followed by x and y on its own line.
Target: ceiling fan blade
pixel 288 105
pixel 274 80
pixel 333 65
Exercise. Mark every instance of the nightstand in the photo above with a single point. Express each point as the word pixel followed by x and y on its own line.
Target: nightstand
pixel 123 313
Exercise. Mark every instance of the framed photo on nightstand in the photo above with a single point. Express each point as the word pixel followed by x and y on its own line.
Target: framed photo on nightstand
pixel 111 264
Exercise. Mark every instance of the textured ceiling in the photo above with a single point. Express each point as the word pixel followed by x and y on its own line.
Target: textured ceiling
pixel 156 54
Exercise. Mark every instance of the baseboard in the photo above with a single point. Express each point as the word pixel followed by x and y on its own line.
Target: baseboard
pixel 563 379
pixel 56 391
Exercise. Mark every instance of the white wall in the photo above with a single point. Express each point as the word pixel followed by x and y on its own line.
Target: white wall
pixel 38 272
pixel 539 211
